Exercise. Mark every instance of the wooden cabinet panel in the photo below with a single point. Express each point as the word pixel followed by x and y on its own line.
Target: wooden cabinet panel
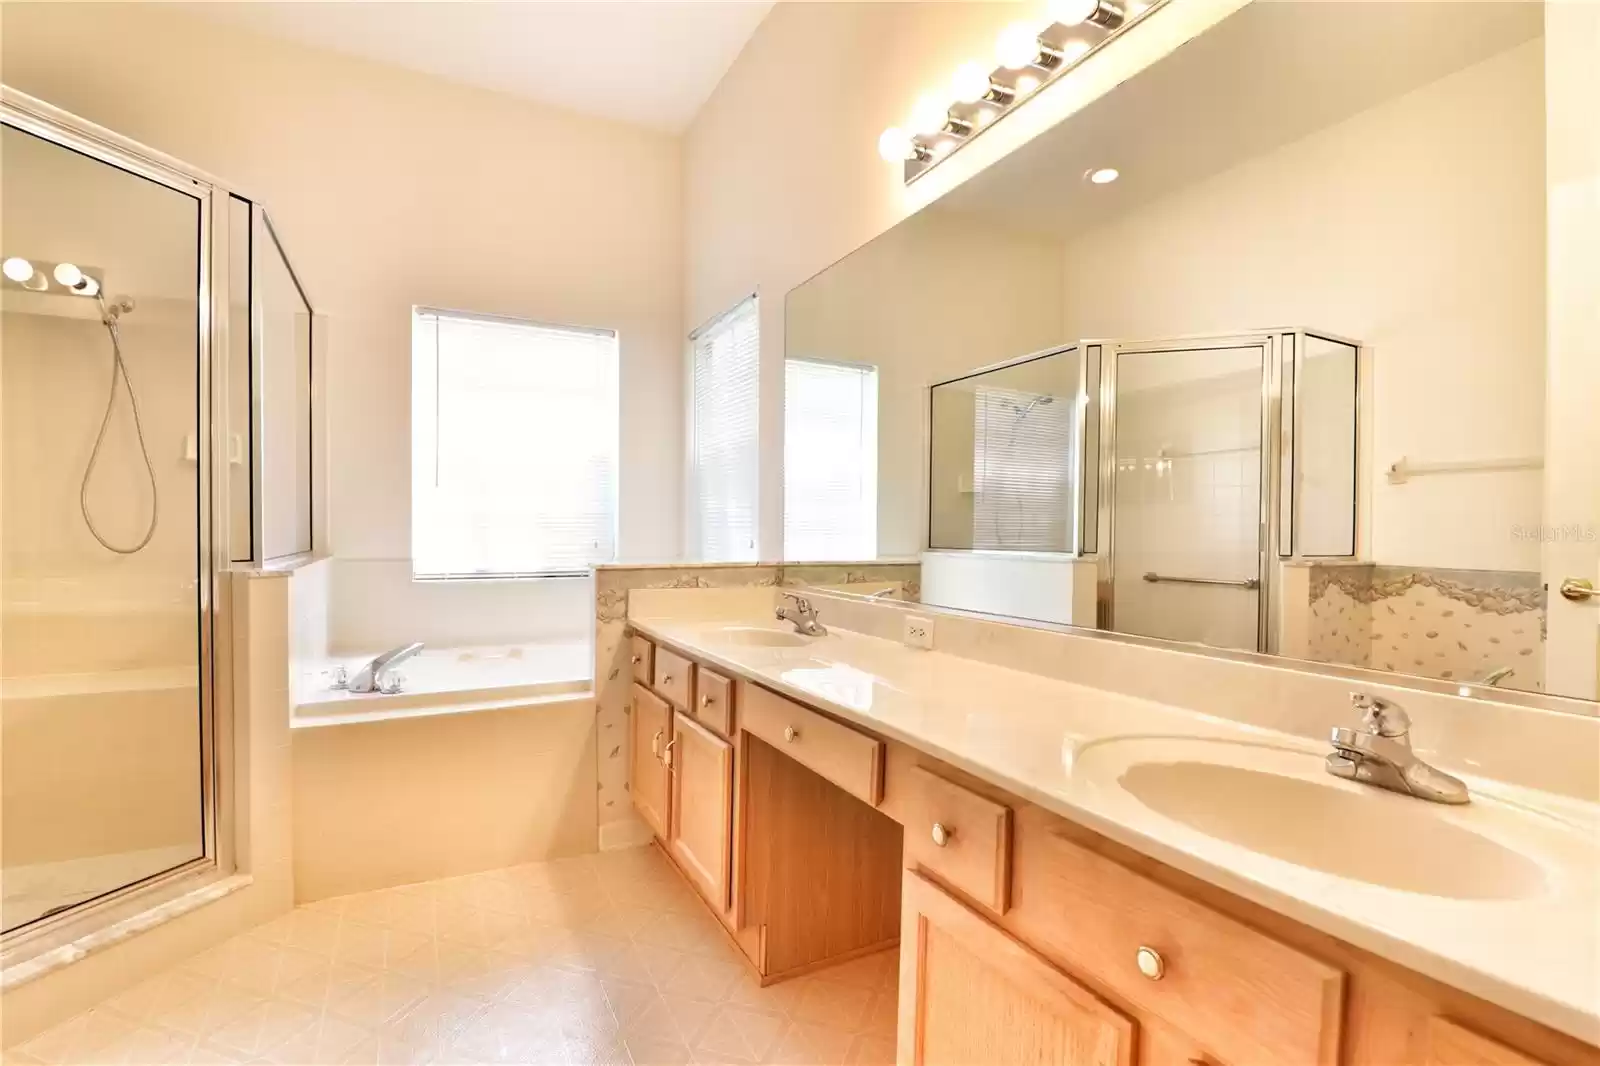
pixel 1451 1045
pixel 847 757
pixel 713 706
pixel 963 838
pixel 1248 997
pixel 642 657
pixel 652 728
pixel 674 677
pixel 702 807
pixel 971 994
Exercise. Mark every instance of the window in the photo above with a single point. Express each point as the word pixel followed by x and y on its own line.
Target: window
pixel 830 461
pixel 514 447
pixel 725 451
pixel 1022 470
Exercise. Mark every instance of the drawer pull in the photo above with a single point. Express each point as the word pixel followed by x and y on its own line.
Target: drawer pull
pixel 790 734
pixel 655 743
pixel 706 701
pixel 942 834
pixel 666 754
pixel 1150 963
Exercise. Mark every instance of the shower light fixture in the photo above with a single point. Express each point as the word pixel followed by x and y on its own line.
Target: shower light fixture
pixel 87 286
pixel 1028 55
pixel 18 269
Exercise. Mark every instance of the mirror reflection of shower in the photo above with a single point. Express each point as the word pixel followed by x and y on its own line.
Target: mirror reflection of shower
pixel 1019 462
pixel 73 280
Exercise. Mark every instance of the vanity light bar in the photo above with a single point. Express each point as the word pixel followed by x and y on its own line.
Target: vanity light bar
pixel 1029 56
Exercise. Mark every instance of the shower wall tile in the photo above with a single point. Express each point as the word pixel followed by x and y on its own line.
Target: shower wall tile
pixel 613 676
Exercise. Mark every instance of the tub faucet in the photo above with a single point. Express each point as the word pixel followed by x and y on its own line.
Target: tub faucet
pixel 802 615
pixel 1379 753
pixel 375 677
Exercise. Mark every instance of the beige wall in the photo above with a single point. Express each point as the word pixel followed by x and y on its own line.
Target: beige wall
pixel 391 189
pixel 1398 228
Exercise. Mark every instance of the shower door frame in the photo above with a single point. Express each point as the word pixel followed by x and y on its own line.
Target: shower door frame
pixel 214 617
pixel 1273 345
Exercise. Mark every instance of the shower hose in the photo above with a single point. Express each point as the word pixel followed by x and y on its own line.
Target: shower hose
pixel 119 369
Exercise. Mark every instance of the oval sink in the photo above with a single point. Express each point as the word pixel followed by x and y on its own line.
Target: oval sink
pixel 756 637
pixel 1275 801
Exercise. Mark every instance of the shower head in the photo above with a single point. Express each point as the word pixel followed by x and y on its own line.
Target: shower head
pixel 110 312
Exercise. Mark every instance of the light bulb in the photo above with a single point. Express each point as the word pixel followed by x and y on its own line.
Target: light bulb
pixel 1072 51
pixel 86 286
pixel 1072 12
pixel 986 115
pixel 894 144
pixel 18 269
pixel 970 83
pixel 1026 84
pixel 68 275
pixel 1017 46
pixel 1104 175
pixel 930 114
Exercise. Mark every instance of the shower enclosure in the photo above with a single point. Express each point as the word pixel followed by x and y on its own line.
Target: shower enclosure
pixel 1178 474
pixel 155 431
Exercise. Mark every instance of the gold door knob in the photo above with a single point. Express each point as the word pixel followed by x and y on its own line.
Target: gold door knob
pixel 1150 963
pixel 941 834
pixel 790 734
pixel 1578 589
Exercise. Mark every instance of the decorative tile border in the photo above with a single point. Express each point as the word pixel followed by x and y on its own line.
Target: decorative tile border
pixel 1497 591
pixel 612 672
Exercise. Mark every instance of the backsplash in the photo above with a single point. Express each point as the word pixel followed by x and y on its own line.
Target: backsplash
pixel 613 677
pixel 1457 625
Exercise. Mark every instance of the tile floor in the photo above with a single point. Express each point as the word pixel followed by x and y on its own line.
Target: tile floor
pixel 600 959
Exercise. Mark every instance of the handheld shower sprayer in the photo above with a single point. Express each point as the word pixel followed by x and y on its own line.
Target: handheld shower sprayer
pixel 111 316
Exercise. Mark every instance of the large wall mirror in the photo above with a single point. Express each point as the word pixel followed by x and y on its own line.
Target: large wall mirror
pixel 1288 384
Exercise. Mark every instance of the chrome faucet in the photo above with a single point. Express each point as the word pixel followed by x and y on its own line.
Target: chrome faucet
pixel 377 675
pixel 1379 753
pixel 803 616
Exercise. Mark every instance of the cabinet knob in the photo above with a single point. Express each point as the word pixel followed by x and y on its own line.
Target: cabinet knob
pixel 790 734
pixel 706 701
pixel 942 834
pixel 1150 963
pixel 667 680
pixel 637 659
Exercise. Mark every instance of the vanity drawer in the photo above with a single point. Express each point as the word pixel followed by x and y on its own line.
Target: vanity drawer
pixel 713 705
pixel 643 658
pixel 850 759
pixel 674 677
pixel 1238 992
pixel 960 837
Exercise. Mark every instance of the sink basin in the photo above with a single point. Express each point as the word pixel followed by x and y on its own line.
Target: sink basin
pixel 1278 802
pixel 756 637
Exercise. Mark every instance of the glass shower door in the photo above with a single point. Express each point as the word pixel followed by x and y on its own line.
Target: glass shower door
pixel 102 559
pixel 1186 547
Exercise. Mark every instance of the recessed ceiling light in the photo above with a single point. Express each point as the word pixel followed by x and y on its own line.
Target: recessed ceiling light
pixel 1104 176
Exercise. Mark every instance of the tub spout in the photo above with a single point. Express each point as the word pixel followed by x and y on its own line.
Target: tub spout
pixel 371 677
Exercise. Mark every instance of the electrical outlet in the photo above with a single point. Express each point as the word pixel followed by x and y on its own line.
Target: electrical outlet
pixel 918 632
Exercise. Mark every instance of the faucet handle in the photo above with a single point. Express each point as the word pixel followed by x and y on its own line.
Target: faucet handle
pixel 1380 716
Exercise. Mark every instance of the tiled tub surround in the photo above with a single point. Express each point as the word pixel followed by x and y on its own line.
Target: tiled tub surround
pixel 618 824
pixel 1017 706
pixel 1457 625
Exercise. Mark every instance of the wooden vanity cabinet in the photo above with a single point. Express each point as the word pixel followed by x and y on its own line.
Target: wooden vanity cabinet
pixel 700 833
pixel 652 731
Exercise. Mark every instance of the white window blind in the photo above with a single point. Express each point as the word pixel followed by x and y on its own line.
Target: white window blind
pixel 514 447
pixel 830 461
pixel 1022 469
pixel 726 354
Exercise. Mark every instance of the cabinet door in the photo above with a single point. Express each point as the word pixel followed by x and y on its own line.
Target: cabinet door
pixel 969 993
pixel 701 766
pixel 1451 1045
pixel 652 728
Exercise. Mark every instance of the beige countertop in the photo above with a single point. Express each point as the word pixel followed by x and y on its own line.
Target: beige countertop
pixel 1529 941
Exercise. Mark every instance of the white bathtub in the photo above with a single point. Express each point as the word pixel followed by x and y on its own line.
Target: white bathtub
pixel 446 681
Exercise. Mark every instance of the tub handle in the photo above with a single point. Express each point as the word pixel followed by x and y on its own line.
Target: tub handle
pixel 655 743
